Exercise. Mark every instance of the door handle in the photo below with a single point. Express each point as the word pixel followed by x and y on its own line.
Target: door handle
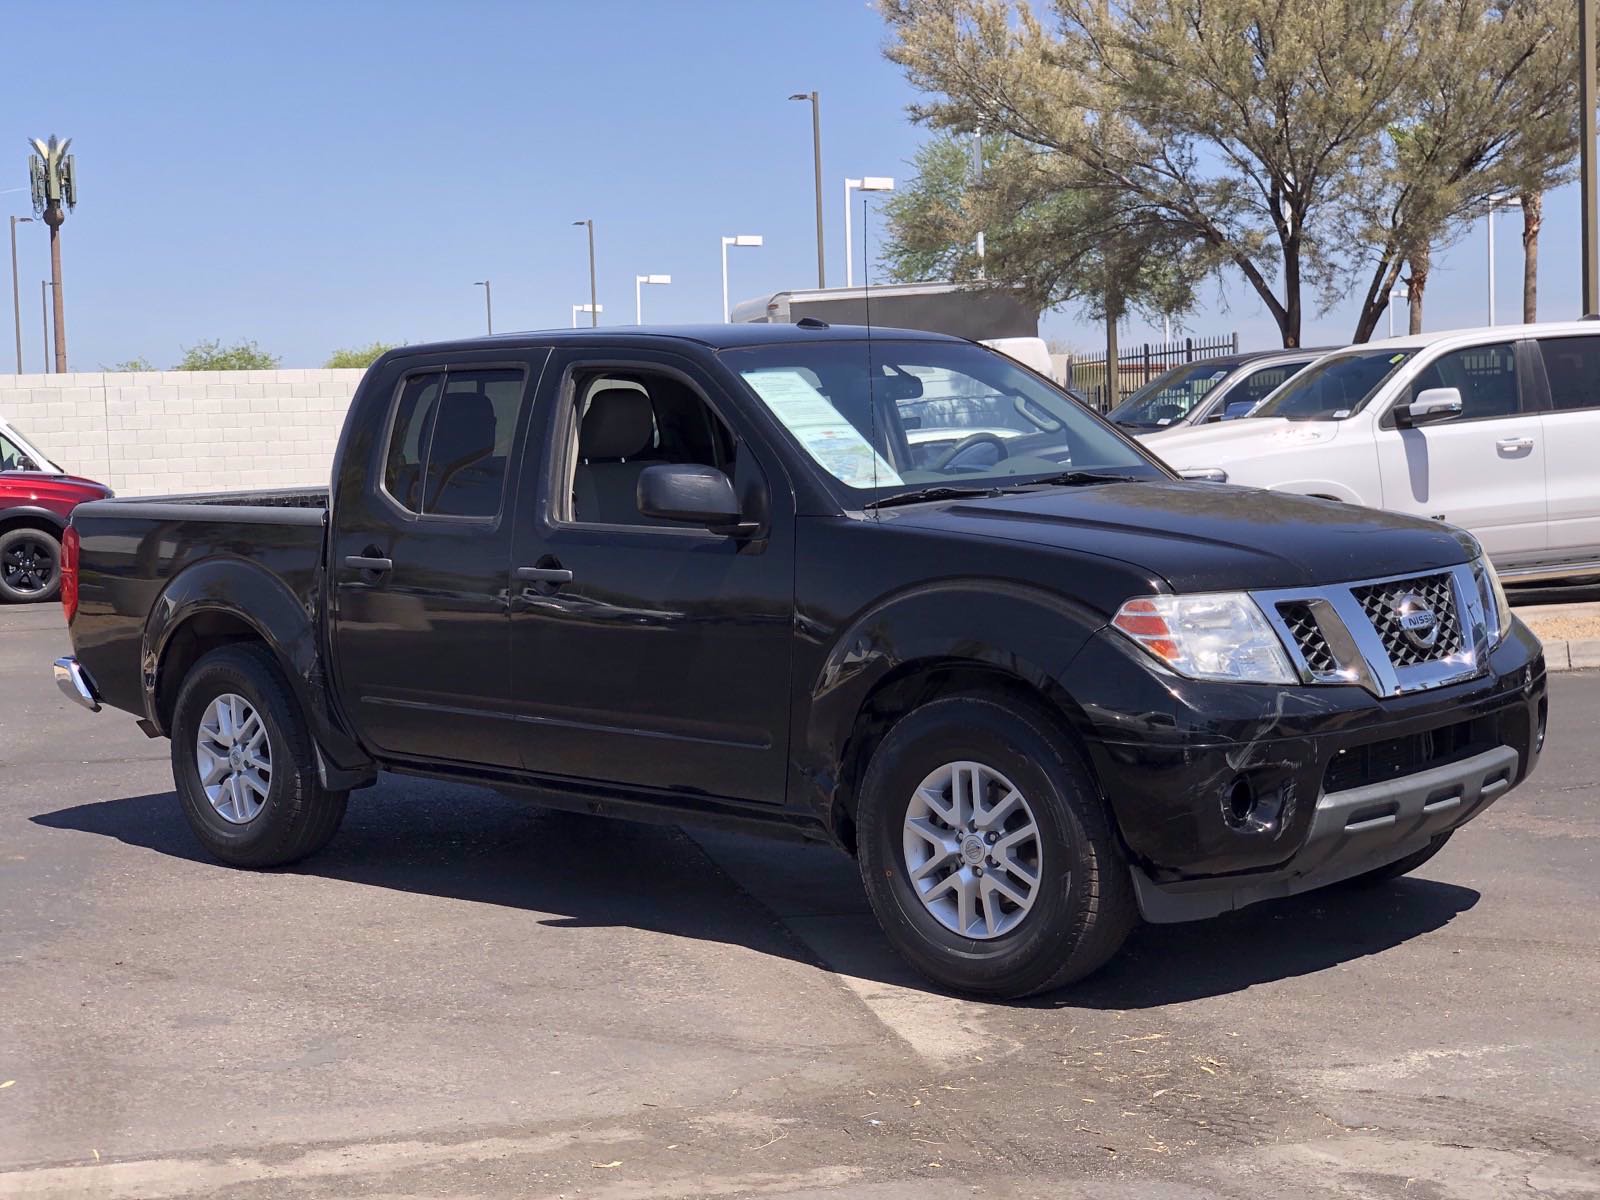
pixel 545 574
pixel 1515 444
pixel 363 562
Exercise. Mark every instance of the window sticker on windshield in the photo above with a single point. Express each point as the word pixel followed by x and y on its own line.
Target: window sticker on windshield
pixel 836 444
pixel 1340 414
pixel 1394 358
pixel 1218 374
pixel 1164 421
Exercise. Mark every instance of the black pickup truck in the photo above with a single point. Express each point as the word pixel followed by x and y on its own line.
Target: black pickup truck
pixel 887 590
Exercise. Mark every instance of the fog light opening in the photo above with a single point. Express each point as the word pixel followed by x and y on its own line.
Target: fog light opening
pixel 1241 802
pixel 1544 714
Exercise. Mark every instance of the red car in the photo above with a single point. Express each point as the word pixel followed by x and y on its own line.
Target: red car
pixel 34 507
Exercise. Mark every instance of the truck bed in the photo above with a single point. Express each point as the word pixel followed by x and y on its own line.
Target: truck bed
pixel 131 549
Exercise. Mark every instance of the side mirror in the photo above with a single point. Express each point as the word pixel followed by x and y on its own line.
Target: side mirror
pixel 1428 407
pixel 692 494
pixel 1235 409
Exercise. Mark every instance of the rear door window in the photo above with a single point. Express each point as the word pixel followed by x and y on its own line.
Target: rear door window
pixel 451 440
pixel 1572 367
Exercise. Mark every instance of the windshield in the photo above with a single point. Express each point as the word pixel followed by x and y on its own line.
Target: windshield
pixel 14 458
pixel 1333 388
pixel 1169 398
pixel 907 415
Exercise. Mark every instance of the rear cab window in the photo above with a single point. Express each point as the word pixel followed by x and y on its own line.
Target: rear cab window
pixel 1572 371
pixel 451 441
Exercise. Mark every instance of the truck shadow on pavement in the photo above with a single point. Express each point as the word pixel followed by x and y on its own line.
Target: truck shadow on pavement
pixel 579 871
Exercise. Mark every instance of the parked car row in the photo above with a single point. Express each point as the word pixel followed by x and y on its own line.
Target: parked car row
pixel 1496 430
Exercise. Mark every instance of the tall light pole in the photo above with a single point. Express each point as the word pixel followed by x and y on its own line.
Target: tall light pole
pixel 55 189
pixel 1398 292
pixel 16 300
pixel 1586 150
pixel 977 179
pixel 638 293
pixel 44 314
pixel 743 239
pixel 488 302
pixel 872 183
pixel 1496 202
pixel 816 161
pixel 583 308
pixel 594 299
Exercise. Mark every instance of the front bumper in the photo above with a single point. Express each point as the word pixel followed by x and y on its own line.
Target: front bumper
pixel 1352 832
pixel 1226 794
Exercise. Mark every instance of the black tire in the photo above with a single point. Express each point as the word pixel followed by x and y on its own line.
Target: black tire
pixel 298 815
pixel 1085 907
pixel 1400 866
pixel 30 566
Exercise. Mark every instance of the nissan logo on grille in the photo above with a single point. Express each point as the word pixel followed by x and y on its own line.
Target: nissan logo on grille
pixel 1418 623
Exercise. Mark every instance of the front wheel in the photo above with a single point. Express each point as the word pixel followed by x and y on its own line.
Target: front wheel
pixel 244 764
pixel 986 851
pixel 30 566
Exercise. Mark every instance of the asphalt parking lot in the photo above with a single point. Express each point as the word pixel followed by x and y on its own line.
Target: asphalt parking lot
pixel 465 996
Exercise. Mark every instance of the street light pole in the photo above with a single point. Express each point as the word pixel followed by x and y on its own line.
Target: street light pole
pixel 583 308
pixel 816 161
pixel 871 183
pixel 1586 160
pixel 16 300
pixel 1496 202
pixel 743 239
pixel 638 293
pixel 594 300
pixel 44 315
pixel 488 303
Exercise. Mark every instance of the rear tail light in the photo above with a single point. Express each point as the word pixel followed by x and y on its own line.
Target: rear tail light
pixel 69 573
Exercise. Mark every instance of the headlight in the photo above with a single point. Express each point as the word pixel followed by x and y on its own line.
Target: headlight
pixel 1496 608
pixel 1205 474
pixel 1222 635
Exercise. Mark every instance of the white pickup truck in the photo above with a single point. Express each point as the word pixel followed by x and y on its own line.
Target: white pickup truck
pixel 1493 429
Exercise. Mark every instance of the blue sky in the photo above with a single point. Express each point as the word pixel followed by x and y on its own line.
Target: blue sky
pixel 315 175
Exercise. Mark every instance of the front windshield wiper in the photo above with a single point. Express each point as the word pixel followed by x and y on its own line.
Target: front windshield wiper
pixel 922 495
pixel 1081 479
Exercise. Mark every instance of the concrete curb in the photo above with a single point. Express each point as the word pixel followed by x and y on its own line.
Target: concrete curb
pixel 1575 655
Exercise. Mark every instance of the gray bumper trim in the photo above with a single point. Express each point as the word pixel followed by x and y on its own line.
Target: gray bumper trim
pixel 1352 832
pixel 75 683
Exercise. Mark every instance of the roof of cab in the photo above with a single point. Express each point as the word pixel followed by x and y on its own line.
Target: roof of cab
pixel 717 337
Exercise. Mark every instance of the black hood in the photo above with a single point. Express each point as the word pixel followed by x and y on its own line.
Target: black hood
pixel 1211 537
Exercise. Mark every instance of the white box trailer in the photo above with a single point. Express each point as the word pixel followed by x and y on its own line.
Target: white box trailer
pixel 995 316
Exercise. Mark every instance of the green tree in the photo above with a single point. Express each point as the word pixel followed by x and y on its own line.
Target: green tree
pixel 214 356
pixel 1050 233
pixel 1300 144
pixel 133 364
pixel 357 356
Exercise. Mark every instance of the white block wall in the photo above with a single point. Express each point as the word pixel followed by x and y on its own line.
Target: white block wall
pixel 162 432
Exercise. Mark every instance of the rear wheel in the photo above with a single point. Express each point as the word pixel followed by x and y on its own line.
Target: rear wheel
pixel 986 851
pixel 30 566
pixel 244 763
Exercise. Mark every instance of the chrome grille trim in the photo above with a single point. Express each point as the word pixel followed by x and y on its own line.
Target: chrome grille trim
pixel 1348 633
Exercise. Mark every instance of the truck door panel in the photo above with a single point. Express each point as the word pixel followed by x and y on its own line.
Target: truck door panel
pixel 421 559
pixel 647 653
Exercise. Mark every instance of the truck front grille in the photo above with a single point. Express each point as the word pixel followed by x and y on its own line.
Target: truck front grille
pixel 1389 636
pixel 1307 634
pixel 1383 603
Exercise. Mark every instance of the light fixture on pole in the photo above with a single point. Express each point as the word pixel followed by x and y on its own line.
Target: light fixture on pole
pixel 638 293
pixel 1496 202
pixel 743 239
pixel 872 183
pixel 16 295
pixel 595 309
pixel 488 303
pixel 816 162
pixel 1397 292
pixel 594 300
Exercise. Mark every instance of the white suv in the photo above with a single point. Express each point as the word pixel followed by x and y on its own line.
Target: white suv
pixel 1496 430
